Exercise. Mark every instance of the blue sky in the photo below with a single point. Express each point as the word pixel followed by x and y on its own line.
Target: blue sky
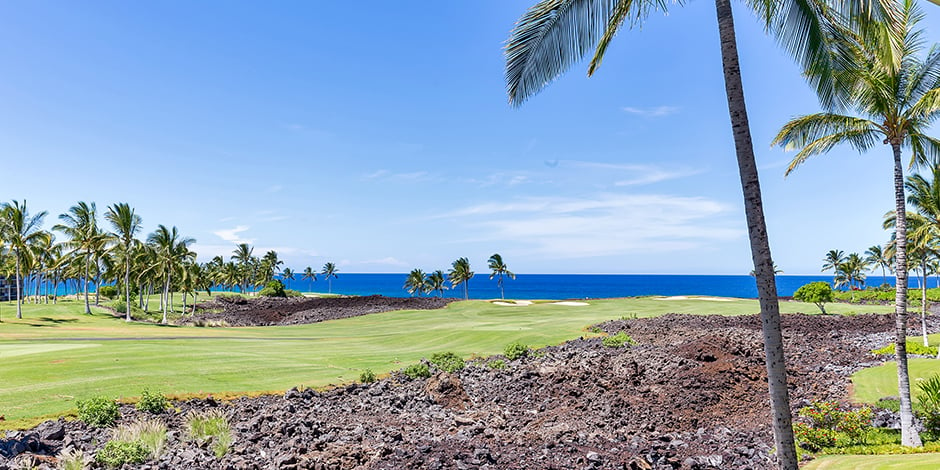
pixel 380 138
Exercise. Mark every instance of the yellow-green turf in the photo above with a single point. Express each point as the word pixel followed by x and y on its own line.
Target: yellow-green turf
pixel 56 354
pixel 882 381
pixel 875 462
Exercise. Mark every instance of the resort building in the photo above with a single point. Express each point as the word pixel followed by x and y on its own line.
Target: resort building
pixel 7 288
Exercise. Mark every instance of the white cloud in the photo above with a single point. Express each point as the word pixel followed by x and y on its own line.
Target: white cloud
pixel 388 175
pixel 654 111
pixel 231 235
pixel 387 261
pixel 605 225
pixel 275 188
pixel 637 174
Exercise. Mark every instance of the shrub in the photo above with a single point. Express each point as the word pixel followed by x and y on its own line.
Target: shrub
pixel 273 288
pixel 813 439
pixel 618 340
pixel 212 426
pixel 367 376
pixel 98 411
pixel 72 459
pixel 448 361
pixel 415 371
pixel 913 347
pixel 929 400
pixel 152 402
pixel 293 293
pixel 515 350
pixel 108 291
pixel 818 293
pixel 497 364
pixel 829 424
pixel 151 433
pixel 117 453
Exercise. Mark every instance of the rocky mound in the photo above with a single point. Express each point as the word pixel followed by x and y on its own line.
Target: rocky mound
pixel 692 394
pixel 267 311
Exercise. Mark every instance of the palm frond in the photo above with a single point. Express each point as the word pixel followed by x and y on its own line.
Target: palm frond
pixel 548 39
pixel 802 131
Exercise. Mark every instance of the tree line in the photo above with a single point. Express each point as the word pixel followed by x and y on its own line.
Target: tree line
pixel 79 251
pixel 459 274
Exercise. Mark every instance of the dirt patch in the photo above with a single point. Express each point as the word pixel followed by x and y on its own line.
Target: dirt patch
pixel 692 394
pixel 267 311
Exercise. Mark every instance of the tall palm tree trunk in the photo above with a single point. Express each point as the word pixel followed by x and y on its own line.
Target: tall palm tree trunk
pixel 909 436
pixel 85 282
pixel 760 246
pixel 19 301
pixel 127 286
pixel 166 296
pixel 923 299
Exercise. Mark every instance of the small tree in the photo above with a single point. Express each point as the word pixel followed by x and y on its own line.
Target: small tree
pixel 816 292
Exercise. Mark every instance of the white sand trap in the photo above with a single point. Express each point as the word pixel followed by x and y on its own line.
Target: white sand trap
pixel 696 297
pixel 572 304
pixel 517 303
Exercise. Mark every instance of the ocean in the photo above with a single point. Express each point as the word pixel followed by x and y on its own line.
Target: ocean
pixel 573 286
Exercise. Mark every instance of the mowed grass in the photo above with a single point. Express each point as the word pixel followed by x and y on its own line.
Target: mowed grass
pixel 875 462
pixel 56 354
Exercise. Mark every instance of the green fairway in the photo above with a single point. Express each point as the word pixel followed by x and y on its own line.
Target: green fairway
pixel 882 381
pixel 56 354
pixel 875 462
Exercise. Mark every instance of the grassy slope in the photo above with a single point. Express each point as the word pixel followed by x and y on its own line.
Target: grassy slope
pixel 876 462
pixel 46 369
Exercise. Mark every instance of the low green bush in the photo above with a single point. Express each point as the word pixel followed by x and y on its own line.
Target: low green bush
pixel 108 291
pixel 98 411
pixel 367 376
pixel 415 371
pixel 293 293
pixel 152 402
pixel 273 288
pixel 819 293
pixel 448 361
pixel 913 347
pixel 497 364
pixel 515 350
pixel 618 340
pixel 114 454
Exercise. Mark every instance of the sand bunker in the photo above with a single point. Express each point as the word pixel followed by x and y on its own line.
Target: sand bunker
pixel 696 297
pixel 572 304
pixel 514 303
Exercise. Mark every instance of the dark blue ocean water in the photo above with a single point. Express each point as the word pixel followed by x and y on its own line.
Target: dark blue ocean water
pixel 579 286
pixel 574 286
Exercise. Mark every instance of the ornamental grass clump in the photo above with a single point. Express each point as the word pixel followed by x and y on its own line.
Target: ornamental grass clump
pixel 151 433
pixel 211 425
pixel 367 376
pixel 98 411
pixel 72 459
pixel 827 425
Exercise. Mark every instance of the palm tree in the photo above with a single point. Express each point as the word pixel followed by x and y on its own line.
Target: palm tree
pixel 876 256
pixel 242 256
pixel 553 34
pixel 288 275
pixel 415 283
pixel 80 224
pixel 777 270
pixel 329 272
pixel 172 251
pixel 833 259
pixel 894 95
pixel 436 282
pixel 310 274
pixel 20 231
pixel 269 265
pixel 854 269
pixel 460 273
pixel 126 223
pixel 499 269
